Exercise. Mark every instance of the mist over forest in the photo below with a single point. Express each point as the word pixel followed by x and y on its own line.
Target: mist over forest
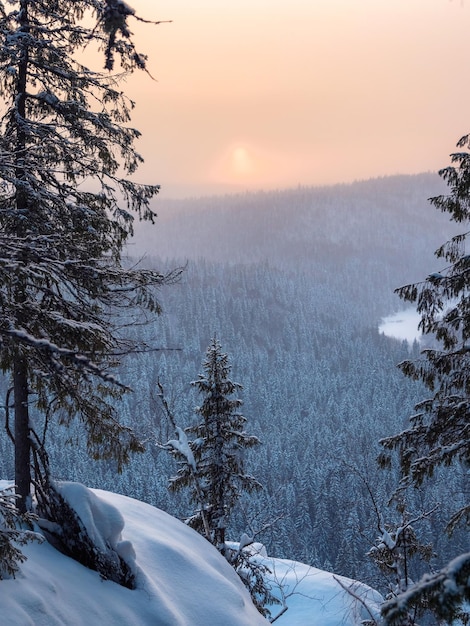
pixel 294 285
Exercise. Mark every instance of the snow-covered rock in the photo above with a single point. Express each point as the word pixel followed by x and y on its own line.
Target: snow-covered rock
pixel 181 579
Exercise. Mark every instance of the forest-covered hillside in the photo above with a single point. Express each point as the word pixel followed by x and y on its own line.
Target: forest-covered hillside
pixel 300 225
pixel 294 283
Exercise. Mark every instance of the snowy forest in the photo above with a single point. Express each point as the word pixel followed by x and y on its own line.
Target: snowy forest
pixel 112 329
pixel 294 284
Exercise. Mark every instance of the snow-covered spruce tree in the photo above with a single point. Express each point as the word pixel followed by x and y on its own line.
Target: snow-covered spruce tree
pixel 211 466
pixel 66 210
pixel 439 433
pixel 214 469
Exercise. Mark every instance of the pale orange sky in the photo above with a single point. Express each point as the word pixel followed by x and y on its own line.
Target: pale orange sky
pixel 269 94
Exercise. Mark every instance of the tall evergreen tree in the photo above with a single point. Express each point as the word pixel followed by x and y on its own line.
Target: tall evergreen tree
pixel 439 433
pixel 66 211
pixel 216 477
pixel 211 466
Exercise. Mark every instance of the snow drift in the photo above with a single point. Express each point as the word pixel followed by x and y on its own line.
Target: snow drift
pixel 181 579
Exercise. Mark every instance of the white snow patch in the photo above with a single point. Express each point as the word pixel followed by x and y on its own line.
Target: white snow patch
pixel 182 445
pixel 402 325
pixel 103 521
pixel 315 597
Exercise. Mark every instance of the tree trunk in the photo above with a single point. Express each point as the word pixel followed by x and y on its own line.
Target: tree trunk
pixel 20 372
pixel 22 441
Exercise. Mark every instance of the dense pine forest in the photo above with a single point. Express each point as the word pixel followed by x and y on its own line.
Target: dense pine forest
pixel 294 284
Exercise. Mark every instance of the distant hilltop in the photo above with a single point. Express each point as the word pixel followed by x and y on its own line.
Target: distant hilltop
pixel 299 225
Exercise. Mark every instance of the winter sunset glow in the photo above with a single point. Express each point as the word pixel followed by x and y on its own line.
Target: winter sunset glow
pixel 241 162
pixel 322 92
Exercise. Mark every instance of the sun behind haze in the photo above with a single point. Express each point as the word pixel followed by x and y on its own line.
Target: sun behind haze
pixel 258 94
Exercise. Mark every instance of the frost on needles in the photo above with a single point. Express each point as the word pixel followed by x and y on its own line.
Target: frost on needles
pixel 67 205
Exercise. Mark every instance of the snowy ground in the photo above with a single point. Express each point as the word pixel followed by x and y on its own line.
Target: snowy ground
pixel 317 598
pixel 181 579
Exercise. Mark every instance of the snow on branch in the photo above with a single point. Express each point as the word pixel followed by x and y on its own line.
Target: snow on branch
pixel 444 591
pixel 80 360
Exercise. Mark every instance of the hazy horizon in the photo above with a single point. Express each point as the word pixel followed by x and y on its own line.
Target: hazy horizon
pixel 258 95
